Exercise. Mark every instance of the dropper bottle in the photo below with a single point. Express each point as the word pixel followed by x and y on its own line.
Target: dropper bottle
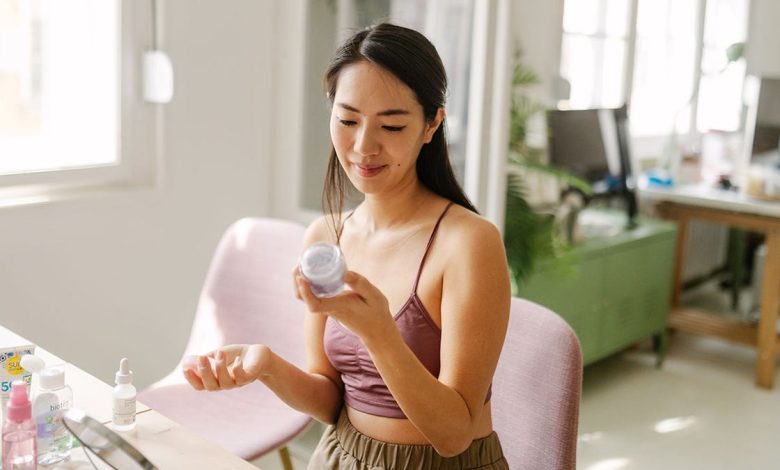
pixel 124 398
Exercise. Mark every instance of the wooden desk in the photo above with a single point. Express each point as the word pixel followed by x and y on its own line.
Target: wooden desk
pixel 734 210
pixel 166 444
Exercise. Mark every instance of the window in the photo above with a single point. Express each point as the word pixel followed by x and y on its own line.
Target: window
pixel 59 96
pixel 594 51
pixel 449 27
pixel 664 73
pixel 720 89
pixel 666 58
pixel 68 100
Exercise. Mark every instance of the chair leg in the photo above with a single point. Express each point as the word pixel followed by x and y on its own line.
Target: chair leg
pixel 284 454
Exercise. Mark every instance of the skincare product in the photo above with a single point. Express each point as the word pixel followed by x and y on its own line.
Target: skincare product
pixel 49 405
pixel 12 370
pixel 19 446
pixel 323 265
pixel 124 398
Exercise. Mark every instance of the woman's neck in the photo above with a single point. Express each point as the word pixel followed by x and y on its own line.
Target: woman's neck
pixel 388 211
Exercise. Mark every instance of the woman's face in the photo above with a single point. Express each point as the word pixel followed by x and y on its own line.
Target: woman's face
pixel 378 128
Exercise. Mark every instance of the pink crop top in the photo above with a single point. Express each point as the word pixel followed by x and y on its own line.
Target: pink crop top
pixel 364 388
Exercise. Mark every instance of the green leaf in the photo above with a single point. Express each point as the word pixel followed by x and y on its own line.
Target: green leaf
pixel 551 170
pixel 524 76
pixel 528 236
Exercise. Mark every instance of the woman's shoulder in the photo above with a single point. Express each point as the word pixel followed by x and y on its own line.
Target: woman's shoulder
pixel 472 251
pixel 469 240
pixel 464 227
pixel 323 229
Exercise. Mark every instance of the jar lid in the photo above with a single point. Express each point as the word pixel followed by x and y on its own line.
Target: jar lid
pixel 322 260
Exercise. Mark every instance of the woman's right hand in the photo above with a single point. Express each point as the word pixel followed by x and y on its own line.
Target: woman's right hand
pixel 228 367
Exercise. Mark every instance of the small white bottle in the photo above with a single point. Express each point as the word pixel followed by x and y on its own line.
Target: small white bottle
pixel 51 402
pixel 324 266
pixel 124 398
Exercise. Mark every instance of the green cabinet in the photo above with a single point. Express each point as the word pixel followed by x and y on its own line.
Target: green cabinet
pixel 613 290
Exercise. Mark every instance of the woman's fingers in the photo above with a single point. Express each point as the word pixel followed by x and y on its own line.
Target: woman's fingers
pixel 239 373
pixel 206 374
pixel 295 274
pixel 328 305
pixel 193 379
pixel 361 286
pixel 221 369
pixel 224 381
pixel 304 292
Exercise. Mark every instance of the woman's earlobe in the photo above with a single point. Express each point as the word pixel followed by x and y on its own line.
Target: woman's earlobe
pixel 434 125
pixel 430 133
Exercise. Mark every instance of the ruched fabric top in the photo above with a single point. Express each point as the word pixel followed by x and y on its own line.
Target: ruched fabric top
pixel 364 388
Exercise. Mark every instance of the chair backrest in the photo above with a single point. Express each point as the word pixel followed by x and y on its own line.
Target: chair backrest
pixel 248 293
pixel 537 388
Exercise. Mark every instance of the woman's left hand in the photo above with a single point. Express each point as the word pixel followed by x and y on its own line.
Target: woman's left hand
pixel 362 308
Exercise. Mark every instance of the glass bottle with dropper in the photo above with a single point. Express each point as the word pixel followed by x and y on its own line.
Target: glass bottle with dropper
pixel 124 398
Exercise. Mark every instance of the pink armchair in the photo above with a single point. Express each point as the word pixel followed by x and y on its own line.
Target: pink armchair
pixel 247 298
pixel 536 390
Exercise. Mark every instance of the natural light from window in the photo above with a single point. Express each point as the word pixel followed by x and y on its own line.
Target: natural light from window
pixel 663 93
pixel 678 423
pixel 449 27
pixel 720 92
pixel 664 67
pixel 594 52
pixel 59 84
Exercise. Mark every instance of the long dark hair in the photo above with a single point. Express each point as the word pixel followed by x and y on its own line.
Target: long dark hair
pixel 412 58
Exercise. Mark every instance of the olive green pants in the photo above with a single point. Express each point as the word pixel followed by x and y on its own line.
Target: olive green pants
pixel 343 447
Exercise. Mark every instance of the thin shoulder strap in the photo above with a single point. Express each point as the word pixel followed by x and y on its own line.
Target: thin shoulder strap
pixel 428 248
pixel 341 228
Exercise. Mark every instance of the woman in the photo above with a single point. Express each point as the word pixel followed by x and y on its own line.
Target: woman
pixel 400 363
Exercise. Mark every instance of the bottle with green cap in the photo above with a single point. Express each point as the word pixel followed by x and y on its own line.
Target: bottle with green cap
pixel 124 398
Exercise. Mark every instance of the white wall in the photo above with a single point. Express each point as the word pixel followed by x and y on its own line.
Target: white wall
pixel 537 27
pixel 93 280
pixel 763 44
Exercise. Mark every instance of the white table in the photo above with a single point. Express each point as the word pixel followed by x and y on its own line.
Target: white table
pixel 705 196
pixel 165 443
pixel 733 209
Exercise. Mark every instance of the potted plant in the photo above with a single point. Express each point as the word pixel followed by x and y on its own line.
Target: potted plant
pixel 530 234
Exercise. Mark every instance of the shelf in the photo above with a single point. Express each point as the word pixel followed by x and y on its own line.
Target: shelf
pixel 699 321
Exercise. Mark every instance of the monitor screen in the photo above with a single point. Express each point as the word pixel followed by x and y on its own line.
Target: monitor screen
pixel 593 144
pixel 585 142
pixel 762 122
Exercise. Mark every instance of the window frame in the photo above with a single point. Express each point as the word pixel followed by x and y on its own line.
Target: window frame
pixel 139 137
